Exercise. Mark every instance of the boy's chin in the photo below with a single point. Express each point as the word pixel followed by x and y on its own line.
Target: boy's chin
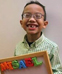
pixel 32 33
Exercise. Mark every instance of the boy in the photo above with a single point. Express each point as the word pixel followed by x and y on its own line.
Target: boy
pixel 33 21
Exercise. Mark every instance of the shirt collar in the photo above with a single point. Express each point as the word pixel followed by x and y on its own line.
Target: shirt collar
pixel 36 43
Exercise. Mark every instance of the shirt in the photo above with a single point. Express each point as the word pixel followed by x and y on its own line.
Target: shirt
pixel 41 44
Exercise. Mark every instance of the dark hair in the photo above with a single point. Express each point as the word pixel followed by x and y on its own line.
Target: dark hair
pixel 38 3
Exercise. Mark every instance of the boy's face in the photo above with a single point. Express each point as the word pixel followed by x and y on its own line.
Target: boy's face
pixel 33 25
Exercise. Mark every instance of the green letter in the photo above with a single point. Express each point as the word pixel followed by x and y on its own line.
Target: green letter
pixel 36 63
pixel 15 64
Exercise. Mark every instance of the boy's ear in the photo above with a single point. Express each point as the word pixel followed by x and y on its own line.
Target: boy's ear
pixel 21 22
pixel 45 24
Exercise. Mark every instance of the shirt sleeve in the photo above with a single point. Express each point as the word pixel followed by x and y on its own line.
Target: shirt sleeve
pixel 55 61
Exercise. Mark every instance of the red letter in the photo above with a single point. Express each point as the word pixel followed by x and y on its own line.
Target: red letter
pixel 28 62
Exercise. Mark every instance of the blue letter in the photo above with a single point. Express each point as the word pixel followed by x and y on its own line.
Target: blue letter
pixel 22 64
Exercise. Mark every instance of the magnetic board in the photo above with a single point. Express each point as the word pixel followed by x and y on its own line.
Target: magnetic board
pixel 43 65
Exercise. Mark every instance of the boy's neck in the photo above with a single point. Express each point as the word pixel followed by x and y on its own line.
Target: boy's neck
pixel 32 38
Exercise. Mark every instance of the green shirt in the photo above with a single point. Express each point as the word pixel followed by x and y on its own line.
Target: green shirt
pixel 41 44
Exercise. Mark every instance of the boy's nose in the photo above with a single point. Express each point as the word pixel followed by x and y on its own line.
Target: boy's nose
pixel 32 19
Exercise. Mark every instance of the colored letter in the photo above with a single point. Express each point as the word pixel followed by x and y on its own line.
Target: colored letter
pixel 3 67
pixel 6 65
pixel 36 63
pixel 22 64
pixel 10 65
pixel 15 64
pixel 28 62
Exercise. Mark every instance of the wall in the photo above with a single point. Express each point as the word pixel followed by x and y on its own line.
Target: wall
pixel 10 29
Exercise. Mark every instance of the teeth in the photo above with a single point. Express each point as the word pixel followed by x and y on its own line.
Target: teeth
pixel 32 26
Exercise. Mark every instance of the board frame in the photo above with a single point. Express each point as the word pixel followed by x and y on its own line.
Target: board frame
pixel 43 54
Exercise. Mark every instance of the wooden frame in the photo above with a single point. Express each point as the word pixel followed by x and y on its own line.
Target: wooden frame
pixel 43 54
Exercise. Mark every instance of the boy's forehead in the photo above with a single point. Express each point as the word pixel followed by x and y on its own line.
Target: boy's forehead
pixel 33 7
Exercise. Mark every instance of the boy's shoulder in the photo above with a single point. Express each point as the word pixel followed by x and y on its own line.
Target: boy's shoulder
pixel 20 43
pixel 50 42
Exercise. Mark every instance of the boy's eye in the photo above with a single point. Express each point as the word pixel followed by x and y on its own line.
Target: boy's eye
pixel 38 16
pixel 26 15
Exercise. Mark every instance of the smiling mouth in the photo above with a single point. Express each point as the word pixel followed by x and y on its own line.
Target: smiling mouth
pixel 32 25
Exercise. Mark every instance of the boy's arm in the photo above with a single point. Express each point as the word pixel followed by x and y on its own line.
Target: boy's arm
pixel 55 62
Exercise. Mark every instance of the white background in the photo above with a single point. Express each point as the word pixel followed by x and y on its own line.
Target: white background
pixel 10 29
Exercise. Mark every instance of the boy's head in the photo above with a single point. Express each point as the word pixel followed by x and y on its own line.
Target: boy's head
pixel 34 18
